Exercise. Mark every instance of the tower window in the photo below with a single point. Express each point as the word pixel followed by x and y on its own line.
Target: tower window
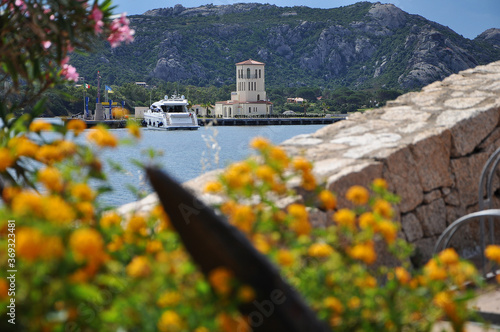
pixel 259 73
pixel 248 72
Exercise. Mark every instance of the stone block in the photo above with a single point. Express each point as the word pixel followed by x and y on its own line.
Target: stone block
pixel 431 152
pixel 411 227
pixel 467 171
pixel 432 217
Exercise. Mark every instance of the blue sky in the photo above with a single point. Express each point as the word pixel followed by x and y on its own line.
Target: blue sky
pixel 466 17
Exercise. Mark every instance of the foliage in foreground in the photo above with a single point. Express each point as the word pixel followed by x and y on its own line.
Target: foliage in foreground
pixel 87 268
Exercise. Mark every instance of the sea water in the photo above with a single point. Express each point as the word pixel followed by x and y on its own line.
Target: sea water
pixel 184 154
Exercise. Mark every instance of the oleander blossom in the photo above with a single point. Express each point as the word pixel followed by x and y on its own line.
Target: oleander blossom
pixel 120 31
pixel 68 71
pixel 96 16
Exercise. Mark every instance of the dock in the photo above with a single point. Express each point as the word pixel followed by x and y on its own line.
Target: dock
pixel 267 121
pixel 107 123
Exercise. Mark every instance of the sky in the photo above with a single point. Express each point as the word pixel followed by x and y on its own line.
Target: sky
pixel 466 17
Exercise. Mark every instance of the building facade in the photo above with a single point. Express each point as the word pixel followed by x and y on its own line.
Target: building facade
pixel 250 98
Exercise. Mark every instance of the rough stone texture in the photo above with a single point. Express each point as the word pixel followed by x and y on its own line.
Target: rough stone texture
pixel 430 146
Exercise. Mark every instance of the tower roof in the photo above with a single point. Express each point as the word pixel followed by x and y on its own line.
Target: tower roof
pixel 250 62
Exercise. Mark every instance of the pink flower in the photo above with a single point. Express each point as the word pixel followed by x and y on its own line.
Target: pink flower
pixel 97 17
pixel 68 71
pixel 120 31
pixel 46 44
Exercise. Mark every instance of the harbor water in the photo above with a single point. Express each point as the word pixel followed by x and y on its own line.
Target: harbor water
pixel 185 154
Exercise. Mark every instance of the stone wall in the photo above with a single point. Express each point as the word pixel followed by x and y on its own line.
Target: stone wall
pixel 430 146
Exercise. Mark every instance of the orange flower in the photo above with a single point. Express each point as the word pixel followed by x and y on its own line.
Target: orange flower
pixel 285 257
pixel 434 271
pixel 492 252
pixel 168 298
pixel 345 218
pixel 86 244
pixel 110 219
pixel 327 199
pixel 388 229
pixel 67 148
pixel 49 154
pixel 243 217
pixel 298 211
pixel 51 178
pixel 213 187
pixel 77 126
pixel 380 183
pixel 6 159
pixel 320 250
pixel 4 289
pixel 153 246
pixel 402 275
pixel 383 208
pixel 261 243
pixel 308 181
pixel 238 175
pixel 133 129
pixel 139 267
pixel 333 304
pixel 55 209
pixel 265 173
pixel 260 143
pixel 102 137
pixel 358 195
pixel 246 294
pixel 39 125
pixel 82 191
pixel 136 224
pixel 279 156
pixel 301 164
pixel 27 203
pixel 220 278
pixel 170 321
pixel 449 256
pixel 366 220
pixel 52 248
pixel 364 252
pixel 23 146
pixel 86 210
pixel 9 193
pixel 29 243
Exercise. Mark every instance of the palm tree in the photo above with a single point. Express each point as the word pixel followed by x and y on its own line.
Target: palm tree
pixel 305 104
pixel 207 107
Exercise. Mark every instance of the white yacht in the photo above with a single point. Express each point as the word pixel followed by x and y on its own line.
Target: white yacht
pixel 171 114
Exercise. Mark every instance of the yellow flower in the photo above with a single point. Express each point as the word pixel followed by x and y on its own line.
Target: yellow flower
pixel 86 244
pixel 444 300
pixel 67 148
pixel 55 209
pixel 354 302
pixel 327 199
pixel 380 183
pixel 308 181
pixel 285 257
pixel 39 125
pixel 133 129
pixel 86 210
pixel 246 294
pixel 139 267
pixel 238 175
pixel 261 243
pixel 82 192
pixel 402 275
pixel 492 252
pixel 383 208
pixel 301 164
pixel 213 187
pixel 77 126
pixel 358 195
pixel 333 304
pixel 168 299
pixel 220 278
pixel 51 178
pixel 434 271
pixel 388 229
pixel 9 193
pixel 265 173
pixel 243 217
pixel 153 246
pixel 170 321
pixel 320 250
pixel 345 218
pixel 49 154
pixel 364 252
pixel 6 159
pixel 367 220
pixel 449 256
pixel 102 137
pixel 27 203
pixel 279 156
pixel 29 243
pixel 110 219
pixel 52 248
pixel 23 146
pixel 136 224
pixel 201 329
pixel 260 143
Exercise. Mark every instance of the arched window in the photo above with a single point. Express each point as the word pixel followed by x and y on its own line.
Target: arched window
pixel 248 72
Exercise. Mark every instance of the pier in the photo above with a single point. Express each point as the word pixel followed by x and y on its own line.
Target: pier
pixel 266 121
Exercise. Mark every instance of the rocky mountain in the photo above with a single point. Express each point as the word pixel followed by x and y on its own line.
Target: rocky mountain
pixel 358 46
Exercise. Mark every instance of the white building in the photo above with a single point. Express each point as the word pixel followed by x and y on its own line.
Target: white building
pixel 250 97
